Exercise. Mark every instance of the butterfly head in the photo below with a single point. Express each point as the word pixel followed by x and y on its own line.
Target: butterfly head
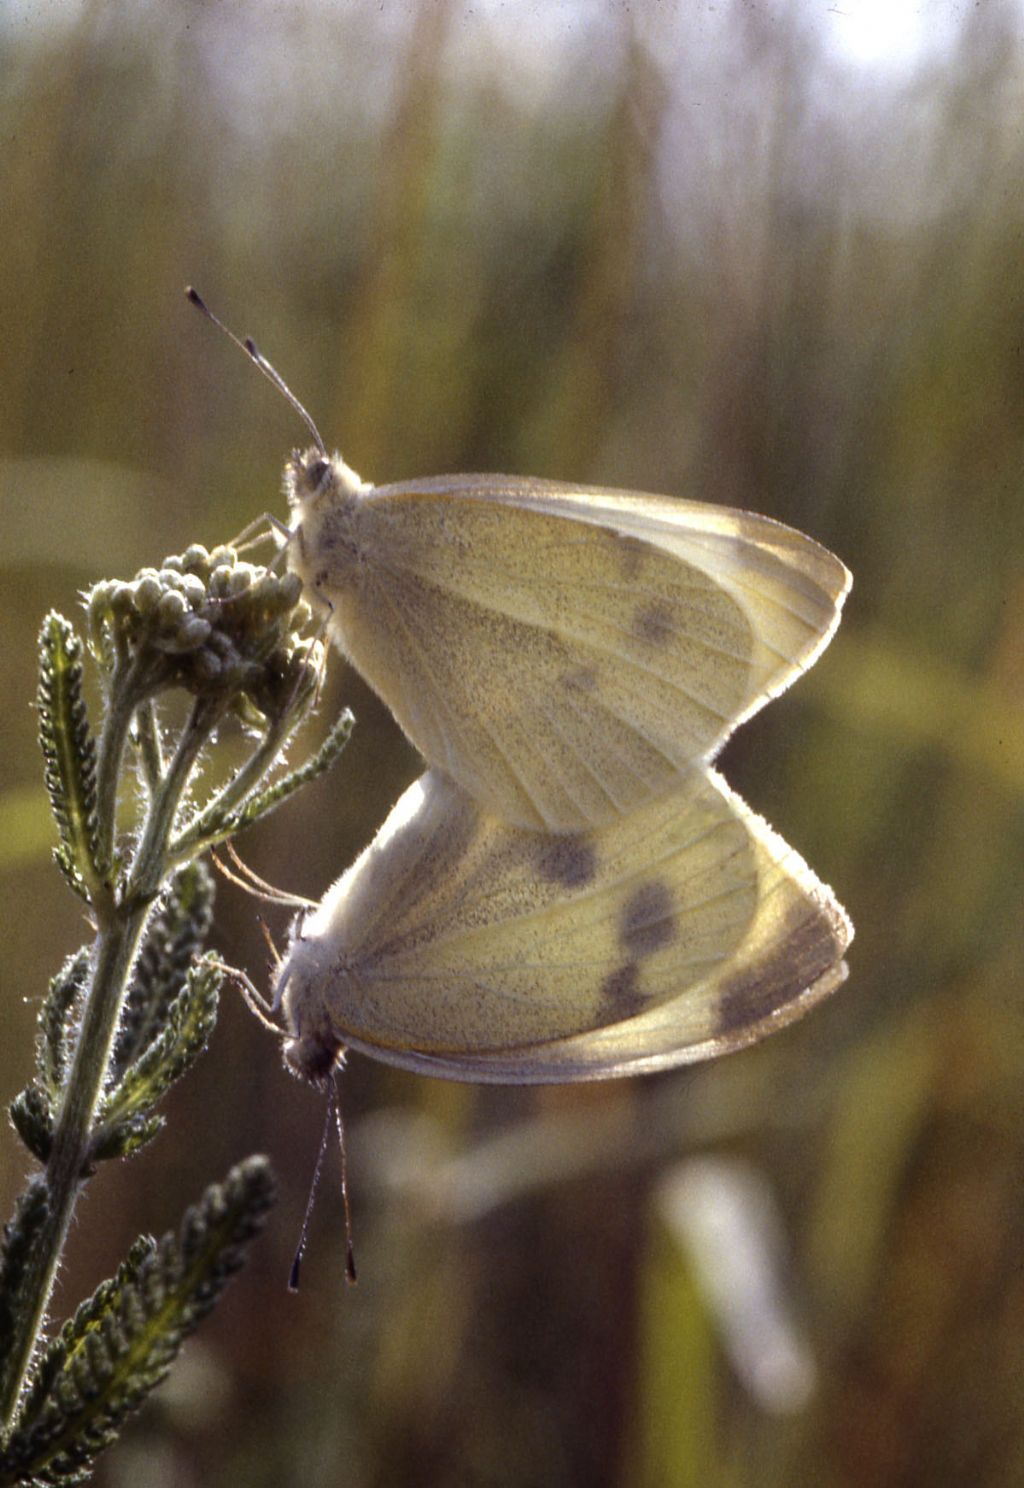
pixel 314 480
pixel 314 1056
pixel 312 1049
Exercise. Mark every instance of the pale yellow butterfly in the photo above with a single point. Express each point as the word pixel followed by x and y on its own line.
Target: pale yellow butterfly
pixel 565 653
pixel 463 947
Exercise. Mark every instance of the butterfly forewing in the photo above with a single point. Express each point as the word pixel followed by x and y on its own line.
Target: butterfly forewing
pixel 567 654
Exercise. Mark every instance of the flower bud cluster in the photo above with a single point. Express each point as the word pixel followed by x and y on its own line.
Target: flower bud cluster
pixel 211 623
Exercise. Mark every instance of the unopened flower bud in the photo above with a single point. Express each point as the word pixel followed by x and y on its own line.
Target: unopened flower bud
pixel 193 632
pixel 193 589
pixel 148 590
pixel 172 608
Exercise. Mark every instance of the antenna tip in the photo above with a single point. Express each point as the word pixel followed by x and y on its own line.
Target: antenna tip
pixel 195 297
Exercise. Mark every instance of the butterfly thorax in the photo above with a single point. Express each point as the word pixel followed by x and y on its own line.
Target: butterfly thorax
pixel 325 496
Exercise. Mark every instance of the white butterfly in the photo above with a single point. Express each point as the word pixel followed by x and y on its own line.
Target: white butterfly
pixel 570 891
pixel 462 947
pixel 565 653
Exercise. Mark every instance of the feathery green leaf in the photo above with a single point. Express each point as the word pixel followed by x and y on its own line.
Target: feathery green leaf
pixel 69 753
pixel 175 934
pixel 123 1138
pixel 32 1112
pixel 56 1019
pixel 121 1343
pixel 20 1235
pixel 188 1024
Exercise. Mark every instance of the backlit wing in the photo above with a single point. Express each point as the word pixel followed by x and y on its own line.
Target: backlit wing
pixel 460 947
pixel 568 653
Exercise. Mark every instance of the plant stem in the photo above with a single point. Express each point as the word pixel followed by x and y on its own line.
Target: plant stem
pixel 150 750
pixel 151 860
pixel 114 954
pixel 120 928
pixel 123 700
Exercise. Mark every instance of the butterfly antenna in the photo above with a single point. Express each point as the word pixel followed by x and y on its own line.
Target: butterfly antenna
pixel 332 1116
pixel 350 1249
pixel 269 371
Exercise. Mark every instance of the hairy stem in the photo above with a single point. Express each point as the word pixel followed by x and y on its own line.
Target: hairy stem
pixel 150 749
pixel 123 700
pixel 69 1157
pixel 152 858
pixel 120 929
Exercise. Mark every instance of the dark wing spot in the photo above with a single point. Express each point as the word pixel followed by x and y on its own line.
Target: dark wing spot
pixel 808 947
pixel 631 552
pixel 747 1001
pixel 648 920
pixel 580 679
pixel 654 623
pixel 569 860
pixel 621 989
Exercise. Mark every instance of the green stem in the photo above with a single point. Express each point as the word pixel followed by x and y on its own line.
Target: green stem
pixel 115 952
pixel 125 696
pixel 117 942
pixel 150 750
pixel 152 858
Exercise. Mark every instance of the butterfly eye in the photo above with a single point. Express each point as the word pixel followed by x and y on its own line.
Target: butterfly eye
pixel 316 474
pixel 310 476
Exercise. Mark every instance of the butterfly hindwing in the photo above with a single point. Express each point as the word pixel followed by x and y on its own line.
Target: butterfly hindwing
pixel 462 947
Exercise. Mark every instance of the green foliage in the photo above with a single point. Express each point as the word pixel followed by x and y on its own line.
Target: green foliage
pixel 175 934
pixel 128 1016
pixel 32 1116
pixel 33 1111
pixel 56 1021
pixel 184 1029
pixel 122 1341
pixel 218 822
pixel 69 755
pixel 21 1233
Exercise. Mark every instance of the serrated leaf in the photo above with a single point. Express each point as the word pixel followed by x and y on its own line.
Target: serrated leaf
pixel 58 1480
pixel 20 1236
pixel 174 935
pixel 188 1024
pixel 56 1017
pixel 69 754
pixel 125 1137
pixel 120 1344
pixel 31 1111
pixel 65 861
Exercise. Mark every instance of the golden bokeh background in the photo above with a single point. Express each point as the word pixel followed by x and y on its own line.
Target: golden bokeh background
pixel 674 247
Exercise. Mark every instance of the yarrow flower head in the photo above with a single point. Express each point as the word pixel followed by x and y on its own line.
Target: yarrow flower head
pixel 211 623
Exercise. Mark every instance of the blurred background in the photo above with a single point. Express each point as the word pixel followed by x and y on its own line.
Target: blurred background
pixel 767 255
